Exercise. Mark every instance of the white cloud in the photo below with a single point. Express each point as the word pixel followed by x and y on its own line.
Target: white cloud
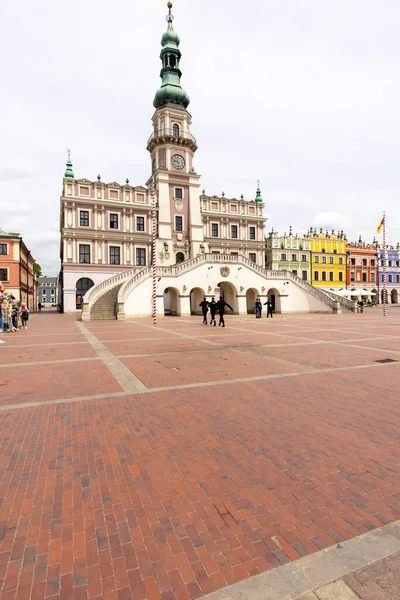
pixel 332 220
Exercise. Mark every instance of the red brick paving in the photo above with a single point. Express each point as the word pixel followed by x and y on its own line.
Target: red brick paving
pixel 16 355
pixel 174 494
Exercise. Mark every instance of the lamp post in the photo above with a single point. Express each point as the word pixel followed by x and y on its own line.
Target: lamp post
pixel 347 265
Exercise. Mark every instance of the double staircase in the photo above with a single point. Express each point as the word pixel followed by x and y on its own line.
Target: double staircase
pixel 107 300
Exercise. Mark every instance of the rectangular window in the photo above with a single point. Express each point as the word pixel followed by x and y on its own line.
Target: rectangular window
pixel 84 253
pixel 316 259
pixel 364 262
pixel 234 231
pixel 294 271
pixel 365 277
pixel 340 260
pixel 3 274
pixel 179 224
pixel 141 257
pixel 113 221
pixel 372 275
pixel 352 276
pixel 234 253
pixel 389 263
pixel 252 232
pixel 179 193
pixel 84 218
pixel 397 263
pixel 323 275
pixel 340 275
pixel 372 263
pixel 3 249
pixel 294 257
pixel 331 276
pixel 304 258
pixel 115 255
pixel 324 260
pixel 353 261
pixel 331 260
pixel 316 276
pixel 397 278
pixel 214 229
pixel 390 278
pixel 283 257
pixel 304 275
pixel 253 257
pixel 140 223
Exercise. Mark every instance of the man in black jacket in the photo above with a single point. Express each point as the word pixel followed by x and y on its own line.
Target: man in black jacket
pixel 204 308
pixel 213 311
pixel 269 308
pixel 221 310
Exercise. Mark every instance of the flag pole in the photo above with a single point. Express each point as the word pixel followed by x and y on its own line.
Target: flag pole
pixel 384 265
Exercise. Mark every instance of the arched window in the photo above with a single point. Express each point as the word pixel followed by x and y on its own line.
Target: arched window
pixel 172 62
pixel 180 257
pixel 82 286
pixel 175 130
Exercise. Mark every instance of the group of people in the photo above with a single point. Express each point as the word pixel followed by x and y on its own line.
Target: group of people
pixel 13 316
pixel 219 308
pixel 259 308
pixel 214 307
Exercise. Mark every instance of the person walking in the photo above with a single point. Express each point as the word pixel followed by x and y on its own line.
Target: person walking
pixel 361 306
pixel 269 308
pixel 221 304
pixel 40 306
pixel 258 308
pixel 213 311
pixel 24 316
pixel 204 308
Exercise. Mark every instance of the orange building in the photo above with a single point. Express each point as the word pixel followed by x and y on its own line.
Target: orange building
pixel 16 269
pixel 362 265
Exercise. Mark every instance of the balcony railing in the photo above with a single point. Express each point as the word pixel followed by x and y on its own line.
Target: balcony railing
pixel 182 135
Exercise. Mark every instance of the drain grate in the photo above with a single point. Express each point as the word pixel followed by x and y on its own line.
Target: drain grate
pixel 384 361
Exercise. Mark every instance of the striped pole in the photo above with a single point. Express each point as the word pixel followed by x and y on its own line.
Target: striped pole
pixel 384 265
pixel 154 250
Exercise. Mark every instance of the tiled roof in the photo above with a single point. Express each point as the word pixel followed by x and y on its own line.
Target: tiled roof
pixel 4 234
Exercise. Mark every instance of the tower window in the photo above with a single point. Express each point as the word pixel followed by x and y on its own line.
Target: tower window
pixel 113 221
pixel 214 229
pixel 234 231
pixel 84 218
pixel 179 224
pixel 175 130
pixel 141 257
pixel 115 255
pixel 172 62
pixel 140 223
pixel 84 253
pixel 252 232
pixel 179 193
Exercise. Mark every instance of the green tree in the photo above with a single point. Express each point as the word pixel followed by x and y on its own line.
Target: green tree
pixel 38 269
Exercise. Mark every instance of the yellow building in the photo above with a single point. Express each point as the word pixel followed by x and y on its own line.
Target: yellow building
pixel 328 258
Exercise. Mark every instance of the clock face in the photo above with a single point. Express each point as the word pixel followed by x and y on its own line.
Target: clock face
pixel 178 161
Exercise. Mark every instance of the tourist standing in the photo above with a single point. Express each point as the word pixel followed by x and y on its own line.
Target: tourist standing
pixel 361 306
pixel 204 308
pixel 213 311
pixel 24 316
pixel 221 304
pixel 258 308
pixel 40 306
pixel 269 308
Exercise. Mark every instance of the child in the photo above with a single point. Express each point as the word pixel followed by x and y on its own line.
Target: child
pixel 24 316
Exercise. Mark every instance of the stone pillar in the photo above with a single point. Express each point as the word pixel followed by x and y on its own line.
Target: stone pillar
pixel 121 311
pixel 337 309
pixel 185 306
pixel 242 305
pixel 160 305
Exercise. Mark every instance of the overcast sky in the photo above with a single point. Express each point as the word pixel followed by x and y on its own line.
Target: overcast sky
pixel 302 94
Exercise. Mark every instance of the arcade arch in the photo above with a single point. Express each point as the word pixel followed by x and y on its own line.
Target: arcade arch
pixel 196 296
pixel 172 302
pixel 229 292
pixel 275 298
pixel 251 297
pixel 82 286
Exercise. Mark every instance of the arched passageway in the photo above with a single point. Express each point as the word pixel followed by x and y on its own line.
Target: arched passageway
pixel 82 286
pixel 179 258
pixel 229 292
pixel 394 296
pixel 196 296
pixel 375 298
pixel 274 297
pixel 172 302
pixel 251 297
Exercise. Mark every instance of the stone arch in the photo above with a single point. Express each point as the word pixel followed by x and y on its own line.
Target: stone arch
pixel 229 292
pixel 394 296
pixel 83 285
pixel 251 297
pixel 179 258
pixel 196 296
pixel 376 297
pixel 275 297
pixel 172 302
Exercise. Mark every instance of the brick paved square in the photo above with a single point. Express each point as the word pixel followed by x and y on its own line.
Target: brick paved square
pixel 47 352
pixel 179 493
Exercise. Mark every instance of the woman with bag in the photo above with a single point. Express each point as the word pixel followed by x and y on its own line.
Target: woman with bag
pixel 24 316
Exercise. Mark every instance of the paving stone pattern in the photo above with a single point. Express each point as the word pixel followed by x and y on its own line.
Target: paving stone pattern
pixel 248 448
pixel 380 581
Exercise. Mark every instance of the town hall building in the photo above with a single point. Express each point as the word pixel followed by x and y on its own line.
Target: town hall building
pixel 205 245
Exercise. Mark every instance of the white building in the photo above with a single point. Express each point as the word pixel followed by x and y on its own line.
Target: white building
pixel 205 245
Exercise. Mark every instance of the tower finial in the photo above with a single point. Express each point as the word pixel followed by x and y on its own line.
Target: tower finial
pixel 69 173
pixel 170 16
pixel 258 195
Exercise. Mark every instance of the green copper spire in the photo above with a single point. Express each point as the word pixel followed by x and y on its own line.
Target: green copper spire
pixel 171 90
pixel 69 174
pixel 258 196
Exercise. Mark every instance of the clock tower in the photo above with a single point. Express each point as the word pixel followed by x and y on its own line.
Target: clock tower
pixel 172 148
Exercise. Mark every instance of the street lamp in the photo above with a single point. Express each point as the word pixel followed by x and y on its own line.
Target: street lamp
pixel 347 264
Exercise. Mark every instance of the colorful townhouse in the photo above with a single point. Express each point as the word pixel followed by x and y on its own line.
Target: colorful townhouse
pixel 16 269
pixel 48 291
pixel 288 252
pixel 362 266
pixel 392 273
pixel 328 258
